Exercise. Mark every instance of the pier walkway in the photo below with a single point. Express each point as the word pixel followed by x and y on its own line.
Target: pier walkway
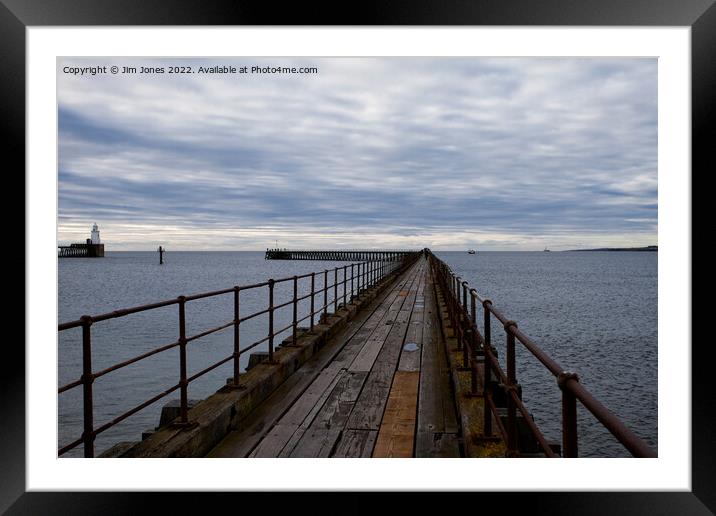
pixel 382 389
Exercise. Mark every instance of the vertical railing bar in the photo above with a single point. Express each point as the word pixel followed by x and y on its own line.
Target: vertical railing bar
pixel 295 310
pixel 236 336
pixel 473 311
pixel 569 416
pixel 464 295
pixel 335 290
pixel 87 380
pixel 511 388
pixel 457 311
pixel 473 363
pixel 182 362
pixel 358 280
pixel 345 282
pixel 473 345
pixel 313 295
pixel 325 296
pixel 270 328
pixel 486 389
pixel 467 330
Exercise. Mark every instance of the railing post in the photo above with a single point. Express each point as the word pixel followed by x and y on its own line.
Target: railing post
pixel 313 295
pixel 236 336
pixel 359 277
pixel 295 310
pixel 325 295
pixel 335 290
pixel 473 363
pixel 511 389
pixel 569 415
pixel 270 314
pixel 487 349
pixel 466 335
pixel 473 312
pixel 87 380
pixel 352 275
pixel 464 295
pixel 473 344
pixel 458 315
pixel 466 330
pixel 183 385
pixel 345 283
pixel 486 322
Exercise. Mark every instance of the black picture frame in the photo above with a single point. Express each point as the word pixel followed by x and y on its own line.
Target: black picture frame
pixel 700 15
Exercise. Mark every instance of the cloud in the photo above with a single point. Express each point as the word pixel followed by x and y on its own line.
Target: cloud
pixel 489 152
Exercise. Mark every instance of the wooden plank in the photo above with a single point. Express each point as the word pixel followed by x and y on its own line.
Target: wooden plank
pixel 317 391
pixel 437 427
pixel 239 443
pixel 324 430
pixel 273 442
pixel 397 430
pixel 355 443
pixel 412 348
pixel 368 410
pixel 348 354
pixel 300 413
pixel 366 358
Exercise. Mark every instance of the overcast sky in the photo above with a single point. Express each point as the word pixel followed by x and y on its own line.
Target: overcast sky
pixel 446 153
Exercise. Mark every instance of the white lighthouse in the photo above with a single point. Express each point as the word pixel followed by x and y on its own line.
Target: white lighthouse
pixel 95 234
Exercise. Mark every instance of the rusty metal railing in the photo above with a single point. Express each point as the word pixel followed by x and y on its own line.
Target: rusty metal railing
pixel 363 276
pixel 473 343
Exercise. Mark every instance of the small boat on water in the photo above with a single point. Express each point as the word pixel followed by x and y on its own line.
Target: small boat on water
pixel 471 251
pixel 546 250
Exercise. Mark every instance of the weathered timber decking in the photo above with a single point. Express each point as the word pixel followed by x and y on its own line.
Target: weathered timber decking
pixel 386 392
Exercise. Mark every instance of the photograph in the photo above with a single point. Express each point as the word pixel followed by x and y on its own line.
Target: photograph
pixel 419 249
pixel 357 257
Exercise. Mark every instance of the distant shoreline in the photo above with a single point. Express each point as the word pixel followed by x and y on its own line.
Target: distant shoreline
pixel 652 248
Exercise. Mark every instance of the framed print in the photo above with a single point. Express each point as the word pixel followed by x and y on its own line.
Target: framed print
pixel 184 135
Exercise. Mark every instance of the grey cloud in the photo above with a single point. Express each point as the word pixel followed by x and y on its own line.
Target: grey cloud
pixel 488 148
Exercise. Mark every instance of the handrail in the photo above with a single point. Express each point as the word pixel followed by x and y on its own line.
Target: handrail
pixel 363 276
pixel 469 339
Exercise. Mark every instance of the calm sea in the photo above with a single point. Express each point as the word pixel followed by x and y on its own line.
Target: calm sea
pixel 594 312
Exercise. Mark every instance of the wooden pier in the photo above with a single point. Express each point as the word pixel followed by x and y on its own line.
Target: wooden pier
pixel 90 248
pixel 383 390
pixel 337 255
pixel 81 251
